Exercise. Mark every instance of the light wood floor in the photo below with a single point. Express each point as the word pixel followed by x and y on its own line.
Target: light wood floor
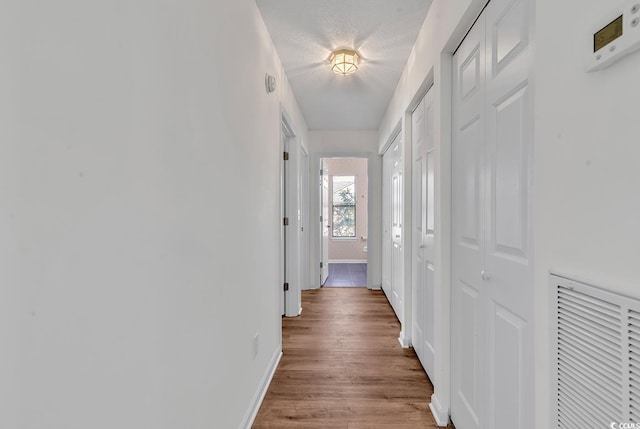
pixel 343 367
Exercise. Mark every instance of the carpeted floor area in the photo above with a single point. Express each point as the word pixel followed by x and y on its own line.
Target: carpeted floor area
pixel 347 275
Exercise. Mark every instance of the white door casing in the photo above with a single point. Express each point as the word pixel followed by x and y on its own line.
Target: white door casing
pixel 324 222
pixel 492 279
pixel 423 259
pixel 283 213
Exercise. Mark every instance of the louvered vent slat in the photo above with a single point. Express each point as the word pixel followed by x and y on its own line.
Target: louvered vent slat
pixel 597 356
pixel 581 344
pixel 601 319
pixel 573 403
pixel 597 340
pixel 591 363
pixel 633 327
pixel 610 388
pixel 568 419
pixel 598 345
pixel 609 308
pixel 591 395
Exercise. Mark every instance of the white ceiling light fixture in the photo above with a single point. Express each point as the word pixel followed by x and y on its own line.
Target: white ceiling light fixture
pixel 344 62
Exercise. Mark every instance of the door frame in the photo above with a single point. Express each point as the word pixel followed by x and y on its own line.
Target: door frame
pixel 291 237
pixel 373 258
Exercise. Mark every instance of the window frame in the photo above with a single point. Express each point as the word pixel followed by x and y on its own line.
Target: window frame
pixel 352 205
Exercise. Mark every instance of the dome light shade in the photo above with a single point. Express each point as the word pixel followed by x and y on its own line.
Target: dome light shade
pixel 344 61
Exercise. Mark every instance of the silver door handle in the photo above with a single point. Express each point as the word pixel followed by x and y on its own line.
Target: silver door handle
pixel 485 275
pixel 397 236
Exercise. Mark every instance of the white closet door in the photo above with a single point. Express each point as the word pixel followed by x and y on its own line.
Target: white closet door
pixel 387 170
pixel 397 228
pixel 508 227
pixel 492 295
pixel 468 294
pixel 392 219
pixel 423 308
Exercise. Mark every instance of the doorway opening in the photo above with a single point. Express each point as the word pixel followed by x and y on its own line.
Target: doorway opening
pixel 345 222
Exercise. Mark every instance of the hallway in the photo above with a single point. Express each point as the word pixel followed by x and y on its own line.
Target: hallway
pixel 342 367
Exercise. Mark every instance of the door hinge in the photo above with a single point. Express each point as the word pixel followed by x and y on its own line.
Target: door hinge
pixel 321 265
pixel 285 221
pixel 320 218
pixel 286 286
pixel 285 156
pixel 321 172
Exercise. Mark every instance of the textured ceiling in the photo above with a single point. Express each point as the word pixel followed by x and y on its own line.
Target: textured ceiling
pixel 305 32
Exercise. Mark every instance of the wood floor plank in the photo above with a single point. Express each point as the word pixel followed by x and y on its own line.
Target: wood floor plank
pixel 342 367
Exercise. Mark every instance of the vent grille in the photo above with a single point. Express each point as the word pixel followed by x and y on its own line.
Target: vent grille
pixel 596 356
pixel 634 365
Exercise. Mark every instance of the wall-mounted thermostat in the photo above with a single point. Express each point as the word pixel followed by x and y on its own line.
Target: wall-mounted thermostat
pixel 614 36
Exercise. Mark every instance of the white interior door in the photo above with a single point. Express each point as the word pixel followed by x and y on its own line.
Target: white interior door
pixel 324 222
pixel 492 281
pixel 303 198
pixel 467 229
pixel 387 170
pixel 397 220
pixel 423 302
pixel 508 268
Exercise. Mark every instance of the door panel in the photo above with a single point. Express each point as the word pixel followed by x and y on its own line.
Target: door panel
pixel 419 275
pixel 428 315
pixel 387 170
pixel 467 294
pixel 423 303
pixel 508 207
pixel 510 177
pixel 492 278
pixel 506 351
pixel 510 32
pixel 393 212
pixel 468 357
pixel 470 160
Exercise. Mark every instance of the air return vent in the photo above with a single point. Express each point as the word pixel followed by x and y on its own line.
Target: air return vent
pixel 596 356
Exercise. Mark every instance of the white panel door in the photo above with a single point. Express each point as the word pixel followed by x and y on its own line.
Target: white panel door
pixel 423 302
pixel 467 294
pixel 324 222
pixel 303 198
pixel 492 273
pixel 397 220
pixel 387 170
pixel 508 227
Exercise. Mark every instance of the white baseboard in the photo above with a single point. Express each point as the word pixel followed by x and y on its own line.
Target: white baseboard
pixel 404 340
pixel 376 287
pixel 258 397
pixel 347 261
pixel 439 414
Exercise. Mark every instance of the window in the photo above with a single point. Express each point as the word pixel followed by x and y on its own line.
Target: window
pixel 344 206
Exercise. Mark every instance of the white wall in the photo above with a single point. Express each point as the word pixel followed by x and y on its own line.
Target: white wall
pixel 125 298
pixel 586 151
pixel 587 182
pixel 347 144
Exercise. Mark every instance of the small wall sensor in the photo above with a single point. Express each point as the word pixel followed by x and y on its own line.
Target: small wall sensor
pixel 613 36
pixel 270 83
